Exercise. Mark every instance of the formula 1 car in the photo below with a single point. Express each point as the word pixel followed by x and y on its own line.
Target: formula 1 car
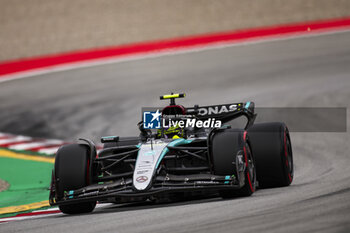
pixel 173 162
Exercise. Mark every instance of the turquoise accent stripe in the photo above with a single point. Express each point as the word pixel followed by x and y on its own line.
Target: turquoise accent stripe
pixel 70 193
pixel 176 142
pixel 227 178
pixel 247 105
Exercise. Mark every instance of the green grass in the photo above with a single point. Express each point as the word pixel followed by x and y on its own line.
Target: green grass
pixel 29 181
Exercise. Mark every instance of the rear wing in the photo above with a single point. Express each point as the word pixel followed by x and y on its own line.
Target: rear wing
pixel 225 112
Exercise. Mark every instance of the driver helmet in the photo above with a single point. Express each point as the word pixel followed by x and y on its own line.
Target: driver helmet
pixel 173 132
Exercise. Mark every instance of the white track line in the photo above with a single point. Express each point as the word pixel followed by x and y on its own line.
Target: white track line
pixel 10 219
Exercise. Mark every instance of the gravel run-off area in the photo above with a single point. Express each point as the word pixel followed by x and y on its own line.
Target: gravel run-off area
pixel 3 185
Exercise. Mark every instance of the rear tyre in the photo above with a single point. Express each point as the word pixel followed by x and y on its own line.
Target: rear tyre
pixel 226 146
pixel 271 146
pixel 72 171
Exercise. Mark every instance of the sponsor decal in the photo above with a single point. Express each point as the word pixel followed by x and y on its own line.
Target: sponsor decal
pixel 207 182
pixel 146 163
pixel 216 110
pixel 141 172
pixel 141 179
pixel 149 153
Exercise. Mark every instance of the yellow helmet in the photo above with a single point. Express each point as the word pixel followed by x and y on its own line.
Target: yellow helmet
pixel 172 132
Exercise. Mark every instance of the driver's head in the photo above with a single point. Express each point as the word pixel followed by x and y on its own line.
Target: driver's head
pixel 174 131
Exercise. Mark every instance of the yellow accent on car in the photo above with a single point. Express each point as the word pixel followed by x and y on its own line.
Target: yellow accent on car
pixel 170 96
pixel 178 95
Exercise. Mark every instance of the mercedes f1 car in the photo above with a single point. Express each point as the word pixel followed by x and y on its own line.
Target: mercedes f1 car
pixel 171 163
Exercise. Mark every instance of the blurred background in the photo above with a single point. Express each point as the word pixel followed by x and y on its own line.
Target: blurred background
pixel 39 27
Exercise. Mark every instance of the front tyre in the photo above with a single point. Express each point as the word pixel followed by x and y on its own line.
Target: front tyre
pixel 232 155
pixel 249 175
pixel 72 171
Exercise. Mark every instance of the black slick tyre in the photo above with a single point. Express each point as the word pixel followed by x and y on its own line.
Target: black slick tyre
pixel 226 146
pixel 271 146
pixel 72 171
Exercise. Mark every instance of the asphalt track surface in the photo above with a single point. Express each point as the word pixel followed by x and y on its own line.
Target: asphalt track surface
pixel 106 99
